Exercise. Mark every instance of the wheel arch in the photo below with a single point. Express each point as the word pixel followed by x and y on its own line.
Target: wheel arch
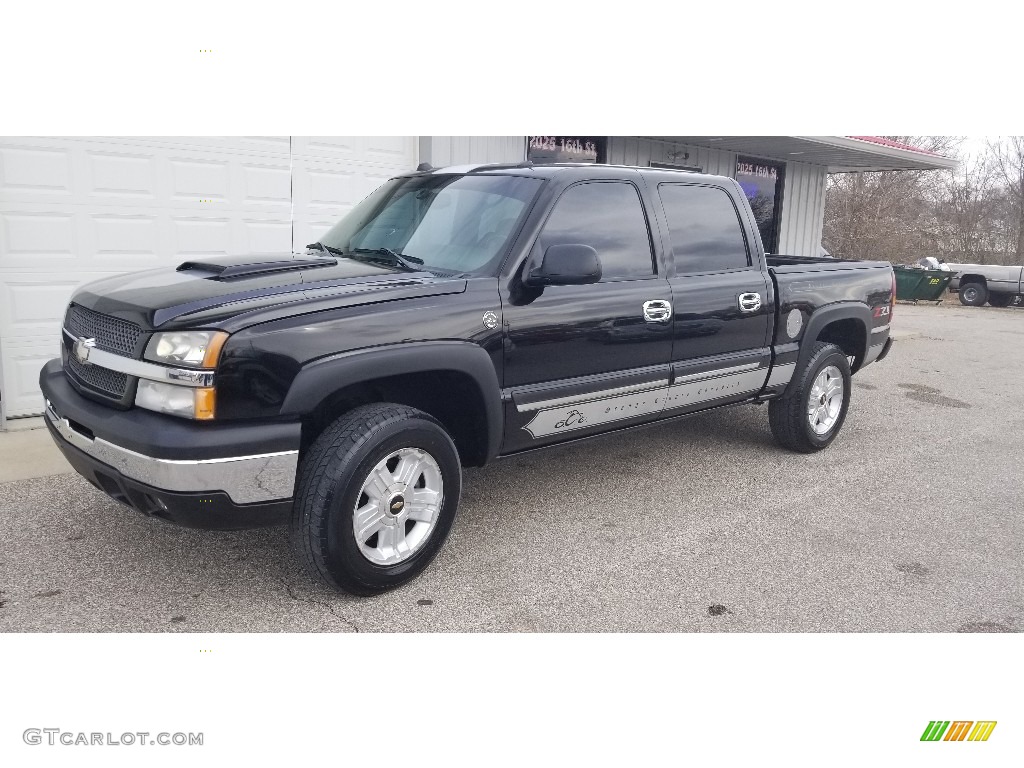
pixel 846 324
pixel 971 277
pixel 455 382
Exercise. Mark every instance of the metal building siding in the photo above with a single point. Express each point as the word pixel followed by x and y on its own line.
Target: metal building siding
pixel 803 197
pixel 803 209
pixel 630 150
pixel 441 151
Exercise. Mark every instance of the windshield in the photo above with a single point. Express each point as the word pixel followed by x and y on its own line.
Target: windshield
pixel 451 223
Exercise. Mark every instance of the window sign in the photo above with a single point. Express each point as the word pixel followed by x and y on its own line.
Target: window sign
pixel 761 181
pixel 565 149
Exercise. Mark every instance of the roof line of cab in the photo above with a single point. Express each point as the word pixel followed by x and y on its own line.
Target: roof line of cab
pixel 427 169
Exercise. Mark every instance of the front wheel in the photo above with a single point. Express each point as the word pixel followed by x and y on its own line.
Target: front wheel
pixel 811 413
pixel 973 294
pixel 376 497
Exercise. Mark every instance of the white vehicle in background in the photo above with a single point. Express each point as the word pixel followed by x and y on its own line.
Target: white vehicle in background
pixel 998 285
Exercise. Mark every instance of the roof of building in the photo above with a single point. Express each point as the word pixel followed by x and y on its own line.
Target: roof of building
pixel 839 154
pixel 894 144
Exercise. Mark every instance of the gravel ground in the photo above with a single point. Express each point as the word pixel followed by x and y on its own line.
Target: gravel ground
pixel 911 521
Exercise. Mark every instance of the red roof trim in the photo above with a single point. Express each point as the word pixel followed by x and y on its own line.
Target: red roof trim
pixel 895 145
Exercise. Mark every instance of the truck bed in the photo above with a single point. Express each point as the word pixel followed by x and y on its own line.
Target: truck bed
pixel 782 263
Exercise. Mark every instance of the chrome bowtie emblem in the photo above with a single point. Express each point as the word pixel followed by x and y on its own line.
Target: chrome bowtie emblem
pixel 81 350
pixel 490 320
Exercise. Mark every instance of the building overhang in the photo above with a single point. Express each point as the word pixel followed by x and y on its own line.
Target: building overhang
pixel 839 154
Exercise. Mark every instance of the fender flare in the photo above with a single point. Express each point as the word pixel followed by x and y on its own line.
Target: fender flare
pixel 321 378
pixel 971 277
pixel 844 310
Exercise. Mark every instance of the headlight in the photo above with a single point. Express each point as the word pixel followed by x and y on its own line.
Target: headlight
pixel 189 402
pixel 195 349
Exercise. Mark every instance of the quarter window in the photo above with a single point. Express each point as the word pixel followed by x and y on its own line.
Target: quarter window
pixel 609 217
pixel 705 228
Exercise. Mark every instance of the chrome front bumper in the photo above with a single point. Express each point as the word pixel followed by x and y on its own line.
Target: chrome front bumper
pixel 245 479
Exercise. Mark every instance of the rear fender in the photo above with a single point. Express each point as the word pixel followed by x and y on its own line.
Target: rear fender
pixel 832 313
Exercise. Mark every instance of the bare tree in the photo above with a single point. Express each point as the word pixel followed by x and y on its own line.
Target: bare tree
pixel 964 209
pixel 886 214
pixel 1008 154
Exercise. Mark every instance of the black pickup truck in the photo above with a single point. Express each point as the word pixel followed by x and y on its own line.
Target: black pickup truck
pixel 453 317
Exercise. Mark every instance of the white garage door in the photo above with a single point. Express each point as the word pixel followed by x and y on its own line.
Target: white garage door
pixel 74 210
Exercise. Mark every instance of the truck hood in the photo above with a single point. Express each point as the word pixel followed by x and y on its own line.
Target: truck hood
pixel 210 292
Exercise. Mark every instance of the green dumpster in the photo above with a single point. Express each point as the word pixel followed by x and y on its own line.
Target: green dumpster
pixel 921 284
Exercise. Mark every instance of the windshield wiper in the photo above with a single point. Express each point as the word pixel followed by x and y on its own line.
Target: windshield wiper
pixel 391 257
pixel 325 249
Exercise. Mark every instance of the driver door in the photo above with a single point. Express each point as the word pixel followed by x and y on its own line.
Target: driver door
pixel 582 359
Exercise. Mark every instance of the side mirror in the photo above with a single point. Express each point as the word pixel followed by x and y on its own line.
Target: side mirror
pixel 567 264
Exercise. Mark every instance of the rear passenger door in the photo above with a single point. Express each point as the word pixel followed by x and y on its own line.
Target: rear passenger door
pixel 720 345
pixel 579 358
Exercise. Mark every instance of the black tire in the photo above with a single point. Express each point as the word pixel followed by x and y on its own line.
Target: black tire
pixel 788 416
pixel 973 294
pixel 330 482
pixel 1000 299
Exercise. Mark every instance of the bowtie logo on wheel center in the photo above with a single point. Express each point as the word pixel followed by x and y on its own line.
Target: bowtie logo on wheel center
pixel 396 505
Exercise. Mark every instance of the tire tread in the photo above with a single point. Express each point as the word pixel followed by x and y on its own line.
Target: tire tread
pixel 786 414
pixel 318 480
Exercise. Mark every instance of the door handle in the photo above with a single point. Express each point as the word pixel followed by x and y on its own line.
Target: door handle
pixel 657 311
pixel 750 302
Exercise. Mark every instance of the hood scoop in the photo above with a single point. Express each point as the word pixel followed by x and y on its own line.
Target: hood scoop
pixel 212 270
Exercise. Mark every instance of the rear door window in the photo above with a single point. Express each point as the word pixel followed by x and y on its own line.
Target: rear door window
pixel 705 229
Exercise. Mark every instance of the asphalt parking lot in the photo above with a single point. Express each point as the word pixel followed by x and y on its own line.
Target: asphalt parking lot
pixel 911 521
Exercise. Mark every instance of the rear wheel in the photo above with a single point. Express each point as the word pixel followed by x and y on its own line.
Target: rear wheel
pixel 1000 299
pixel 973 294
pixel 811 413
pixel 376 498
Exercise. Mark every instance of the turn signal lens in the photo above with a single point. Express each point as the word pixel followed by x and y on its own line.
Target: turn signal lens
pixel 212 356
pixel 206 401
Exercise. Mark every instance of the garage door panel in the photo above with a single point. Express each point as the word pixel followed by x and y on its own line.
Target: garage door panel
pixel 335 147
pixel 392 149
pixel 397 153
pixel 35 169
pixel 266 184
pixel 329 186
pixel 118 174
pixel 125 239
pixel 27 238
pixel 202 179
pixel 32 304
pixel 20 361
pixel 201 237
pixel 332 189
pixel 267 236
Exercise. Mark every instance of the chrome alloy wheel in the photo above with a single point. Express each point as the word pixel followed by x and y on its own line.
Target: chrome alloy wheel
pixel 398 506
pixel 826 400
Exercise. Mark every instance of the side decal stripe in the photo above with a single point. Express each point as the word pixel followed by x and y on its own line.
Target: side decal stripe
pixel 582 415
pixel 781 374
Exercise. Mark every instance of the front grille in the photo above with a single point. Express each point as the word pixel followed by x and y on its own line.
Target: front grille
pixel 113 383
pixel 112 334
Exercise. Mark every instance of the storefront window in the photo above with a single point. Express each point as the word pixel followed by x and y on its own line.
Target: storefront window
pixel 761 181
pixel 566 149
